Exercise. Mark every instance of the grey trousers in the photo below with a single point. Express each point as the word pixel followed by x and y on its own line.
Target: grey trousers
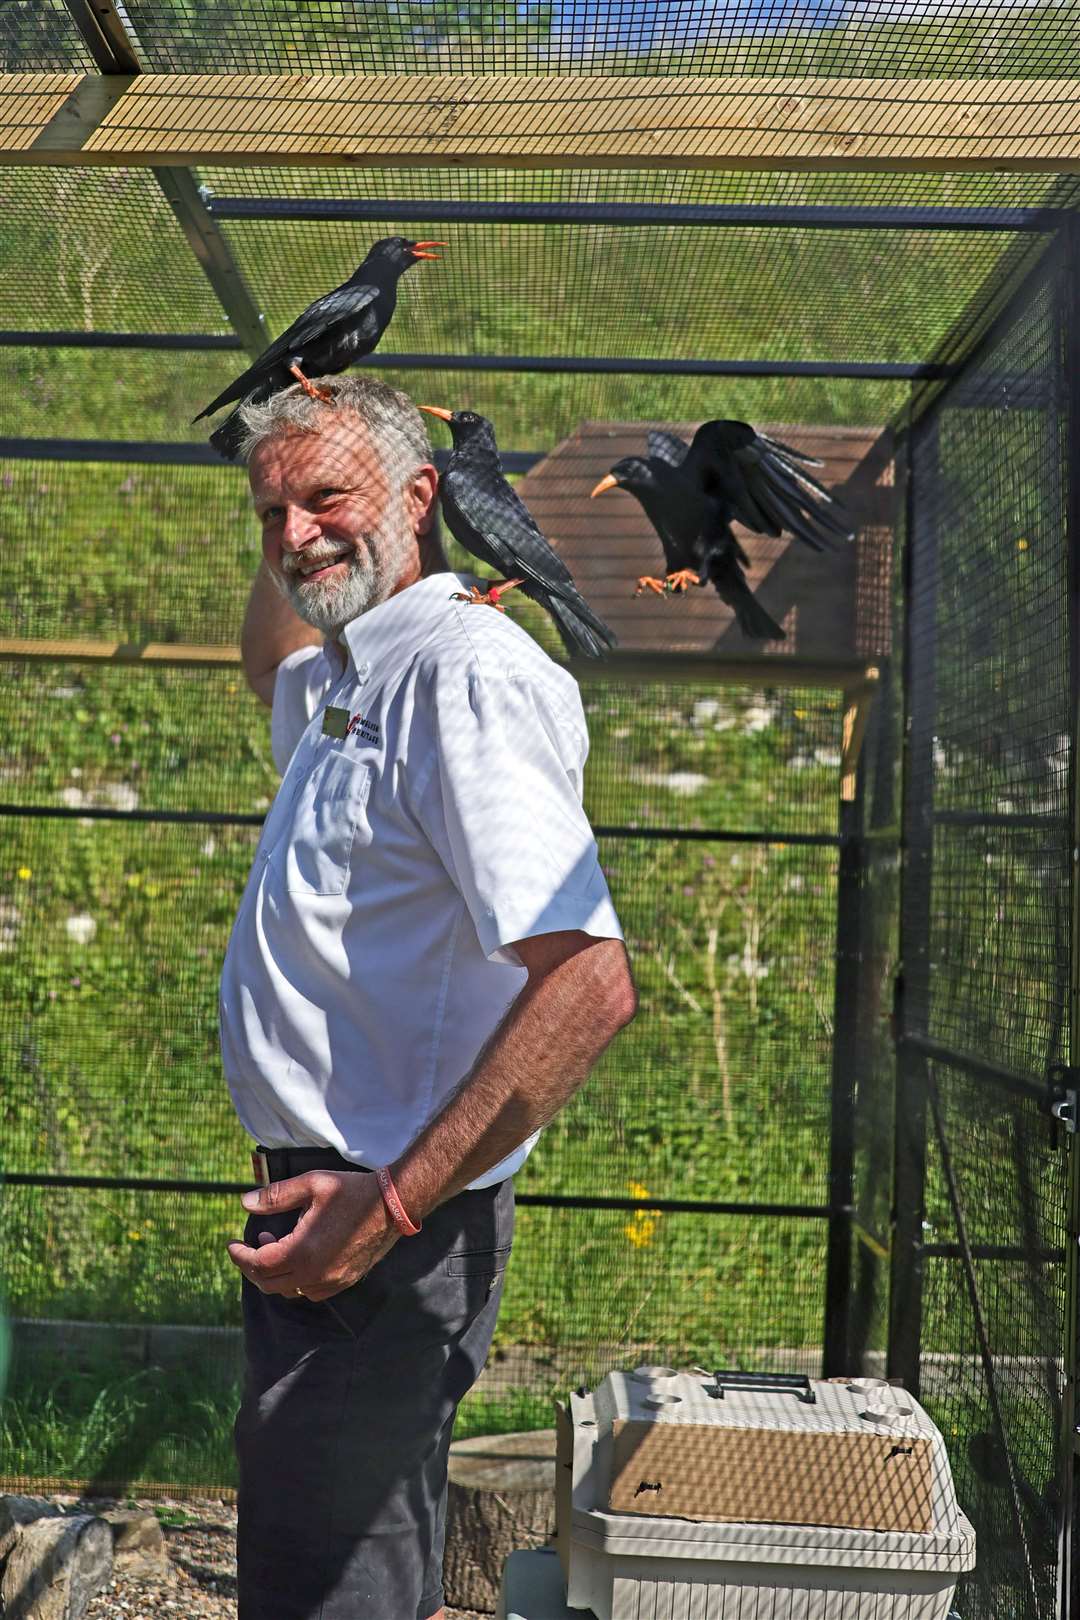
pixel 345 1424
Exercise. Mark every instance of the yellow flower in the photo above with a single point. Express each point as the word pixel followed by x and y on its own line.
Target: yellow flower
pixel 642 1224
pixel 136 1237
pixel 640 1230
pixel 134 879
pixel 25 873
pixel 1022 545
pixel 152 891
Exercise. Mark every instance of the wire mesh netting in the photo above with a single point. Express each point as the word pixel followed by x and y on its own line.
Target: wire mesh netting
pixel 883 38
pixel 111 916
pixel 759 1079
pixel 988 950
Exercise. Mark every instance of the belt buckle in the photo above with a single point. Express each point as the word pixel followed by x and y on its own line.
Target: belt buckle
pixel 260 1165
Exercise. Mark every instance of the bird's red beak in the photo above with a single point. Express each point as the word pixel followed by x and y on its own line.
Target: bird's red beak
pixel 609 481
pixel 417 250
pixel 437 410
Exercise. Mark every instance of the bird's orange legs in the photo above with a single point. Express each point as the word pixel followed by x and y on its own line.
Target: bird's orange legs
pixel 309 387
pixel 490 598
pixel 682 578
pixel 679 581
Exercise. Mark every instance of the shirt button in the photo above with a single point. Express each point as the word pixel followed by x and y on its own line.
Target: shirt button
pixel 364 668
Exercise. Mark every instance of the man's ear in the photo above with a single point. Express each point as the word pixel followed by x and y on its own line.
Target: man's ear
pixel 420 497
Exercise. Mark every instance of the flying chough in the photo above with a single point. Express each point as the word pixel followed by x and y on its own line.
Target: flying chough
pixel 758 482
pixel 699 546
pixel 331 335
pixel 487 517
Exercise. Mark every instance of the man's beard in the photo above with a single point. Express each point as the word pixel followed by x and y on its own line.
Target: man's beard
pixel 331 603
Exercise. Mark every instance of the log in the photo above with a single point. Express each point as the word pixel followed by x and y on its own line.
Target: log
pixel 56 1567
pixel 17 1511
pixel 501 1497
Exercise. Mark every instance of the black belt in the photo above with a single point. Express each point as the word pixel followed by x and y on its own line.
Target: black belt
pixel 279 1164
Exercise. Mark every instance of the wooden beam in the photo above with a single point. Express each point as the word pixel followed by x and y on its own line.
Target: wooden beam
pixel 851 676
pixel 856 715
pixel 163 654
pixel 541 121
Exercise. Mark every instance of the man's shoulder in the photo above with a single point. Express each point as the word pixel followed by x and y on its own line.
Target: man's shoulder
pixel 475 640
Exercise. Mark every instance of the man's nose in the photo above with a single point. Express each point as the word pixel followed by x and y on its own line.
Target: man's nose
pixel 299 529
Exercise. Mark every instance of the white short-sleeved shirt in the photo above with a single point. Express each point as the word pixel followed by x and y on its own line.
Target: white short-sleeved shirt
pixel 371 955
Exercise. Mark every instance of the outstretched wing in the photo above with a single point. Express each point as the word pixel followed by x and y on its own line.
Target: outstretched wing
pixel 666 447
pixel 762 487
pixel 345 303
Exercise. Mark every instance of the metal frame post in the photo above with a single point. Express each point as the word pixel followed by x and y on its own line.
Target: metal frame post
pixel 1069 364
pixel 916 843
pixel 850 955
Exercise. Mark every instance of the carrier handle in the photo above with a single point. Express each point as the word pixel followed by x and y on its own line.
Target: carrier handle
pixel 797 1384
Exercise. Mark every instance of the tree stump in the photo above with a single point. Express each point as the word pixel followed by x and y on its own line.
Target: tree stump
pixel 501 1498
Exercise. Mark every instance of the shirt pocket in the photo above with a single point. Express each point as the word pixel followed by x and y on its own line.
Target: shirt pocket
pixel 327 811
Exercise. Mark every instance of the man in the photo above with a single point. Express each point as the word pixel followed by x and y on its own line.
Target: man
pixel 424 967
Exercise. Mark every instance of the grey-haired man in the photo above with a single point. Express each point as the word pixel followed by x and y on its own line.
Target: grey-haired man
pixel 424 968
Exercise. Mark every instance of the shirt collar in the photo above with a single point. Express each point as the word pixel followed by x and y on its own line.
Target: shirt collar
pixel 388 635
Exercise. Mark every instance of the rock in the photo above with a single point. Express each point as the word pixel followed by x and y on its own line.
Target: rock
pixel 501 1497
pixel 56 1567
pixel 139 1544
pixel 15 1511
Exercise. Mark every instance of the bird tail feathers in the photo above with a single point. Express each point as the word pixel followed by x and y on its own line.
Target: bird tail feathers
pixel 753 620
pixel 582 632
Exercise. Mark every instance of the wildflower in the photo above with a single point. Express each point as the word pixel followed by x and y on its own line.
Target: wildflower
pixel 640 1230
pixel 81 928
pixel 642 1224
pixel 26 873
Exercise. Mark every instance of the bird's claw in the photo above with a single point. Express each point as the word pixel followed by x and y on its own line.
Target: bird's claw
pixel 489 598
pixel 309 387
pixel 681 580
pixel 647 583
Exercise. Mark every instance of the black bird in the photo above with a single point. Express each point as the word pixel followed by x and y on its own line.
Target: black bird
pixel 332 333
pixel 759 482
pixel 488 518
pixel 699 547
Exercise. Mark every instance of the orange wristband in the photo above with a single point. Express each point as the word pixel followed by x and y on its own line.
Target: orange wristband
pixel 393 1203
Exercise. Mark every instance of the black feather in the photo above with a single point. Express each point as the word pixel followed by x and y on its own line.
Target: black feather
pixel 492 522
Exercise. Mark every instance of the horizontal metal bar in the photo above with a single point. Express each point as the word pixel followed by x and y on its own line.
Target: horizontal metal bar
pixel 1021 1085
pixel 665 1206
pixel 681 1206
pixel 193 818
pixel 609 366
pixel 1001 818
pixel 808 216
pixel 118 340
pixel 719 835
pixel 216 818
pixel 151 452
pixel 991 1251
pixel 124 1183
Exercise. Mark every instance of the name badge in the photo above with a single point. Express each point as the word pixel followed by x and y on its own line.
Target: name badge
pixel 335 722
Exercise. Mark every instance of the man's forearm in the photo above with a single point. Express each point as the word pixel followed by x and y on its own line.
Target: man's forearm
pixel 539 1056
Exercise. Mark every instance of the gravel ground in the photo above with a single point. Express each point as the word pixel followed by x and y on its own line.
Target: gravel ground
pixel 202 1551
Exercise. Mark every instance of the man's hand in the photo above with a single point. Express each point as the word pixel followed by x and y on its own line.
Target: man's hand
pixel 342 1231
